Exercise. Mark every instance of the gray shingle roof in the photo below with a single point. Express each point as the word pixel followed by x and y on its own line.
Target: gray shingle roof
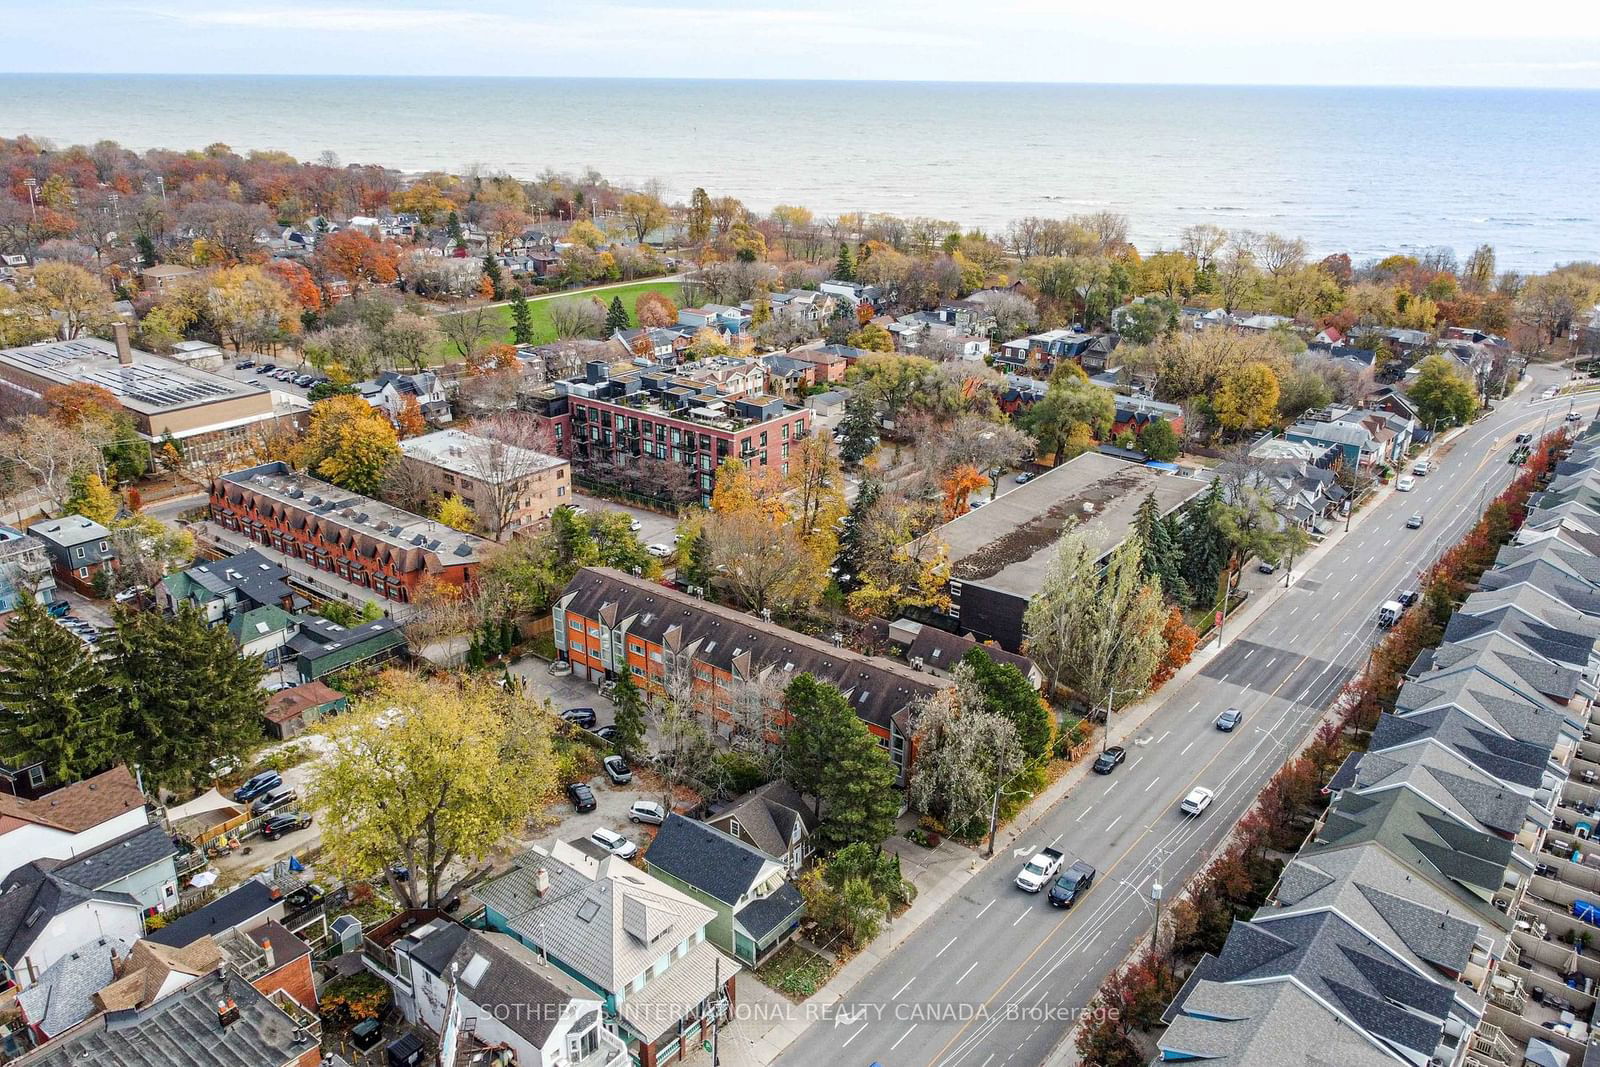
pixel 1263 1026
pixel 246 902
pixel 118 858
pixel 768 815
pixel 507 988
pixel 31 897
pixel 761 917
pixel 1497 755
pixel 708 859
pixel 63 995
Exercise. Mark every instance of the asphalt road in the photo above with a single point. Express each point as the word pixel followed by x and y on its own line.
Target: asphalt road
pixel 998 976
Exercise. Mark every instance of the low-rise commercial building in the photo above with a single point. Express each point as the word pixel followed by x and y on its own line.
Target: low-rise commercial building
pixel 999 555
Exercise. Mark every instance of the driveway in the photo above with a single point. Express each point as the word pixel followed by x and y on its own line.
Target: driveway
pixel 611 811
pixel 654 528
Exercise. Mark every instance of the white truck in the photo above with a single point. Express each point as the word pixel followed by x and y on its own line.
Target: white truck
pixel 1040 868
pixel 1422 468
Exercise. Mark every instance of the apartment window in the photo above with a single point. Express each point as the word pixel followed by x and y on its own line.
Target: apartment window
pixel 83 572
pixel 786 431
pixel 105 546
pixel 78 552
pixel 594 631
pixel 636 670
pixel 466 483
pixel 763 439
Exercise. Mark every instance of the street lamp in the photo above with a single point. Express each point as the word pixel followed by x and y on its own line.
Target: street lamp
pixel 994 807
pixel 1111 696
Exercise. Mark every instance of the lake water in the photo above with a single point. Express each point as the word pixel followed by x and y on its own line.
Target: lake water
pixel 1365 171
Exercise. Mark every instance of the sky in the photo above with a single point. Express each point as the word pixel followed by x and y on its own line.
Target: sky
pixel 1532 43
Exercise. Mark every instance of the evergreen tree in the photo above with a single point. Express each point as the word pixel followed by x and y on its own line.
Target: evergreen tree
pixel 1006 693
pixel 629 719
pixel 191 697
pixel 475 657
pixel 56 704
pixel 521 319
pixel 497 280
pixel 841 324
pixel 829 754
pixel 845 268
pixel 696 569
pixel 508 635
pixel 1161 560
pixel 859 426
pixel 453 229
pixel 616 316
pixel 849 560
pixel 1204 546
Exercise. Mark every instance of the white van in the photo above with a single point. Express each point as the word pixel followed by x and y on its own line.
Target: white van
pixel 1390 613
pixel 1421 467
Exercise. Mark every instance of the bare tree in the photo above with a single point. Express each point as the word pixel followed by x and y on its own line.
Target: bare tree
pixel 1202 242
pixel 501 469
pixel 582 318
pixel 1280 254
pixel 408 484
pixel 468 331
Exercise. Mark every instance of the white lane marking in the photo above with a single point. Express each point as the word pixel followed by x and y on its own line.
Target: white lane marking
pixel 966 972
pixel 907 986
pixel 1019 918
pixel 1084 815
pixel 1163 737
pixel 903 1037
pixel 942 951
pixel 1196 705
pixel 1113 823
pixel 855 1035
pixel 1187 747
pixel 986 907
pixel 1246 655
pixel 1152 784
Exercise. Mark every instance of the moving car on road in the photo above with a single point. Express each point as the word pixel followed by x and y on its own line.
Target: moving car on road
pixel 1229 719
pixel 1405 483
pixel 1108 760
pixel 1414 522
pixel 1072 885
pixel 1039 869
pixel 1198 800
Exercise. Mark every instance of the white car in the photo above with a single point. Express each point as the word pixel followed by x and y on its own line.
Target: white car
pixel 1198 800
pixel 635 525
pixel 1406 483
pixel 614 843
pixel 646 811
pixel 660 551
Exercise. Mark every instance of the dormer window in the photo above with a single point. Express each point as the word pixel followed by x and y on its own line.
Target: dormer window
pixel 733 827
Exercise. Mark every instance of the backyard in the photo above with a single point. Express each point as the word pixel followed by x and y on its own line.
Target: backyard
pixel 539 309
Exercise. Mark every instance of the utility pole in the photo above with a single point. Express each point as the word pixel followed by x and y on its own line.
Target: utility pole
pixel 1000 781
pixel 32 184
pixel 716 1010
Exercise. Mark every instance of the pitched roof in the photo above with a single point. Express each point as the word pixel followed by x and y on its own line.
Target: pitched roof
pixel 244 903
pixel 116 859
pixel 762 916
pixel 876 688
pixel 144 973
pixel 669 996
pixel 289 703
pixel 259 622
pixel 64 993
pixel 32 897
pixel 506 984
pixel 1232 1025
pixel 79 806
pixel 723 867
pixel 1506 758
pixel 768 815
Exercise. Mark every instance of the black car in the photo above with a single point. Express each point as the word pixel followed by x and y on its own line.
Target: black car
pixel 1072 885
pixel 1524 438
pixel 606 733
pixel 617 770
pixel 1229 719
pixel 286 823
pixel 582 797
pixel 261 783
pixel 1414 522
pixel 1407 597
pixel 583 717
pixel 1108 760
pixel 266 368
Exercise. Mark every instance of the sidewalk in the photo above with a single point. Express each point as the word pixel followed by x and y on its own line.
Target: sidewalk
pixel 763 1035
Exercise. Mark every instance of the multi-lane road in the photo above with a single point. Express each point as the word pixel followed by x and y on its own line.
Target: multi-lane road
pixel 997 977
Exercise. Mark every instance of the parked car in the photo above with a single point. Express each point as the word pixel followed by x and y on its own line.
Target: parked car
pixel 1266 566
pixel 286 822
pixel 244 364
pixel 976 504
pixel 605 733
pixel 1228 720
pixel 1072 885
pixel 582 797
pixel 1414 522
pixel 1108 760
pixel 129 595
pixel 635 525
pixel 614 843
pixel 1039 869
pixel 646 811
pixel 1405 483
pixel 258 784
pixel 1024 478
pixel 58 608
pixel 266 368
pixel 1524 438
pixel 583 717
pixel 1389 613
pixel 617 770
pixel 281 797
pixel 305 381
pixel 659 550
pixel 1198 800
pixel 1422 467
pixel 1407 598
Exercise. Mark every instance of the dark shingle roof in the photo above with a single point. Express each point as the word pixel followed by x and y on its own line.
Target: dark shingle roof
pixel 762 917
pixel 233 909
pixel 709 860
pixel 507 985
pixel 117 858
pixel 31 897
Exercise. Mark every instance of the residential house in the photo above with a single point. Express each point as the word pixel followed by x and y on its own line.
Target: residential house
pixel 490 986
pixel 245 909
pixel 160 276
pixel 788 377
pixel 632 940
pixel 178 1020
pixel 1134 413
pixel 774 819
pixel 321 647
pixel 1402 342
pixel 510 489
pixel 852 293
pixel 290 711
pixel 139 864
pixel 807 308
pixel 1364 437
pixel 227 588
pixel 606 622
pixel 64 993
pixel 757 910
pixel 79 549
pixel 44 918
pixel 1263 323
pixel 827 404
pixel 1037 354
pixel 928 648
pixel 69 820
pixel 653 343
pixel 830 364
pixel 725 320
pixel 390 389
pixel 25 570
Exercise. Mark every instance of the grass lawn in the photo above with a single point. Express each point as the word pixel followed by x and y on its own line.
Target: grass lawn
pixel 539 307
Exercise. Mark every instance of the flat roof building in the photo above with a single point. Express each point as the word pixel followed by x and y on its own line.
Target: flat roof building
pixel 999 555
pixel 508 488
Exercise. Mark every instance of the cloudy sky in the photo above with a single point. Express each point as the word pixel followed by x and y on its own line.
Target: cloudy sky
pixel 1553 43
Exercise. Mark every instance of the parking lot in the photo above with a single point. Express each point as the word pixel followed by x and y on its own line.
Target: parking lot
pixel 258 374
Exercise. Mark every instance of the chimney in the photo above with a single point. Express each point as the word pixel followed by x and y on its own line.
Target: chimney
pixel 124 352
pixel 227 1012
pixel 541 881
pixel 266 950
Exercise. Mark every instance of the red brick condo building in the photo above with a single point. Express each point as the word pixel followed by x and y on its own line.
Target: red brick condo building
pixel 607 621
pixel 319 526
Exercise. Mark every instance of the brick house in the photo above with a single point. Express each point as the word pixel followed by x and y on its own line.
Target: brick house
pixel 606 621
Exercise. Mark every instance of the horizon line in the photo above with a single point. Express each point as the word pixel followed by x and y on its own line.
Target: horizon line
pixel 1387 86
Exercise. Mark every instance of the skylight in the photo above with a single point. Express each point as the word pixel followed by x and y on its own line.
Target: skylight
pixel 475 971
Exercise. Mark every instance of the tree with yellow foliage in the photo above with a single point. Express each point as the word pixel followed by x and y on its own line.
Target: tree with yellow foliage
pixel 349 443
pixel 585 233
pixel 436 776
pixel 958 486
pixel 1248 398
pixel 424 200
pixel 248 306
pixel 454 513
pixel 91 499
pixel 739 490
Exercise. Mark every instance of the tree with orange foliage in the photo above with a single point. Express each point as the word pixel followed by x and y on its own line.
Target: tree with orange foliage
pixel 958 486
pixel 73 405
pixel 357 259
pixel 301 285
pixel 493 359
pixel 655 310
pixel 409 422
pixel 1180 640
